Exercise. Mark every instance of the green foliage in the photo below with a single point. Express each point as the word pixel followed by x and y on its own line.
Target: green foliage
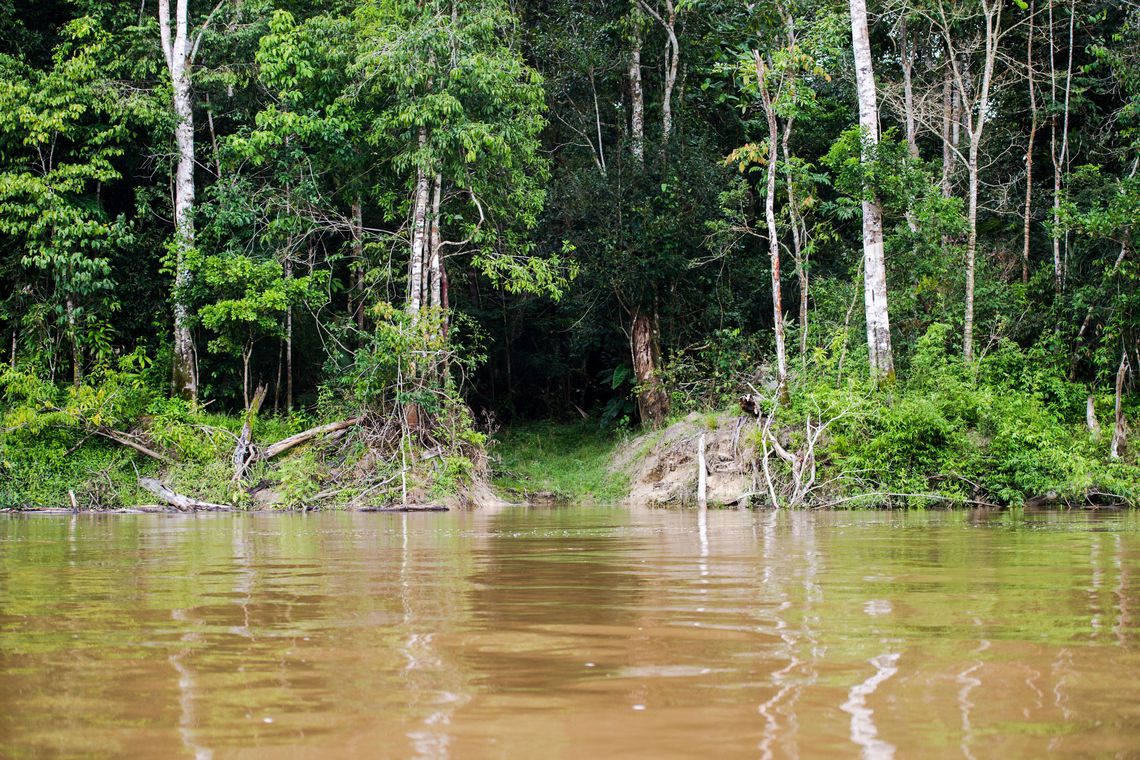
pixel 998 432
pixel 569 461
pixel 298 480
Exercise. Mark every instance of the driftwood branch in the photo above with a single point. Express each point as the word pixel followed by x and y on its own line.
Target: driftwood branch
pixel 177 500
pixel 304 437
pixel 130 442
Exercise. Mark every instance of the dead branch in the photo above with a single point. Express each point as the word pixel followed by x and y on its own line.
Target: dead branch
pixel 243 452
pixel 304 437
pixel 130 441
pixel 177 500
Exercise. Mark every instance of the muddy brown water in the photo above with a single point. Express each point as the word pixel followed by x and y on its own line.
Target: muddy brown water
pixel 570 633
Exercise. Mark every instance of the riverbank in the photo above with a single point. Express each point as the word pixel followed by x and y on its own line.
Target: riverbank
pixel 949 437
pixel 945 447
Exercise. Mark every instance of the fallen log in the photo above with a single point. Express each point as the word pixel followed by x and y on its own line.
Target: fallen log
pixel 304 437
pixel 178 501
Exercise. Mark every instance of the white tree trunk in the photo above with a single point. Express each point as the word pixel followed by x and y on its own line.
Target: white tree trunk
pixel 419 239
pixel 177 53
pixel 1060 158
pixel 1028 215
pixel 874 266
pixel 773 233
pixel 947 117
pixel 971 252
pixel 636 92
pixel 1119 427
pixel 975 117
pixel 436 257
pixel 907 55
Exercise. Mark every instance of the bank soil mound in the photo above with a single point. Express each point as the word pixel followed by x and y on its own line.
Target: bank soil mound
pixel 663 464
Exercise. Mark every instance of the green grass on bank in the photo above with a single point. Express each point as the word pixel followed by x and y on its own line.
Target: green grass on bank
pixel 571 461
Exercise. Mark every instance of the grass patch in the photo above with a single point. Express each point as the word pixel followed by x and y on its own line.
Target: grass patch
pixel 571 461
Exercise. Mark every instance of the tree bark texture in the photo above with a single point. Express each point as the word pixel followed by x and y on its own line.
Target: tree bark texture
pixel 652 401
pixel 874 265
pixel 176 49
pixel 636 92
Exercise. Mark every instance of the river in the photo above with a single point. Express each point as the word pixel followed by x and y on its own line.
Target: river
pixel 573 632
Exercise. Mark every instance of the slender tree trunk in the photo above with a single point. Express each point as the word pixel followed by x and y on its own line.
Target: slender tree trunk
pixel 177 52
pixel 73 338
pixel 289 344
pixel 356 278
pixel 15 335
pixel 947 117
pixel 1028 217
pixel 799 241
pixel 213 137
pixel 907 55
pixel 636 92
pixel 1119 428
pixel 436 257
pixel 874 265
pixel 976 124
pixel 670 77
pixel 773 234
pixel 600 153
pixel 246 354
pixel 971 252
pixel 652 401
pixel 280 370
pixel 419 239
pixel 668 22
pixel 1059 157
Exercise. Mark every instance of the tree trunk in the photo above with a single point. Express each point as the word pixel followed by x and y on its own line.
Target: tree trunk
pixel 177 52
pixel 907 55
pixel 419 239
pixel 436 256
pixel 976 124
pixel 636 92
pixel 874 266
pixel 246 355
pixel 1090 417
pixel 773 234
pixel 73 338
pixel 356 310
pixel 799 241
pixel 288 344
pixel 670 75
pixel 947 148
pixel 652 401
pixel 672 61
pixel 1028 218
pixel 971 252
pixel 1119 428
pixel 1059 158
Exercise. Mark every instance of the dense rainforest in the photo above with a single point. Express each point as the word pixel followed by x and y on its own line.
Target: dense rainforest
pixel 296 253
